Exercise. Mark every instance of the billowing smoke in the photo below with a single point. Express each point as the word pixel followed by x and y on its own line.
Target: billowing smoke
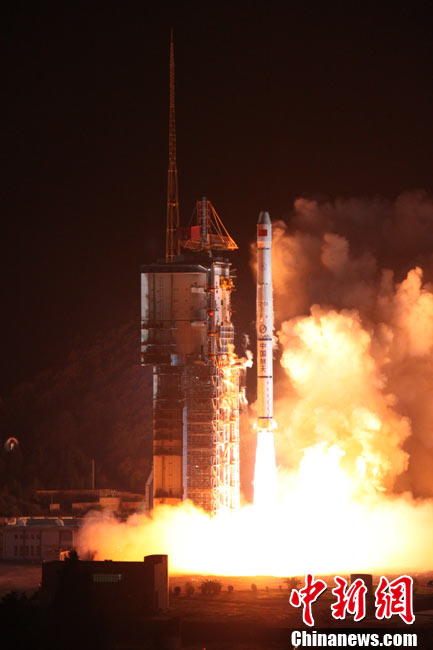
pixel 341 397
pixel 355 305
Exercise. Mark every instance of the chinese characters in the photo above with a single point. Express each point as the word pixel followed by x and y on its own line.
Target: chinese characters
pixel 391 598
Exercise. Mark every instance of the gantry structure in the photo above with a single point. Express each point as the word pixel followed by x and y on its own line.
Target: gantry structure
pixel 187 336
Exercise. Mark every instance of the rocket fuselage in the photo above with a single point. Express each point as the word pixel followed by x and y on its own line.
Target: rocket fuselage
pixel 264 324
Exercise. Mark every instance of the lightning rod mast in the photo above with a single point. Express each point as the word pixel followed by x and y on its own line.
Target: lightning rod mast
pixel 171 239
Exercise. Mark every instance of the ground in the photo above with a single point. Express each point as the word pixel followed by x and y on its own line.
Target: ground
pixel 22 577
pixel 245 619
pixel 266 618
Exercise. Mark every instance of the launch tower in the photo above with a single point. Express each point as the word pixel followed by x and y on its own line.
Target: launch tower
pixel 187 336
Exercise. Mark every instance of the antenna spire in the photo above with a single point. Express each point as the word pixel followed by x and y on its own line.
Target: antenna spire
pixel 171 239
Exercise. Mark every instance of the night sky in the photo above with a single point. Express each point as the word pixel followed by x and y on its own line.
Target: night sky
pixel 317 99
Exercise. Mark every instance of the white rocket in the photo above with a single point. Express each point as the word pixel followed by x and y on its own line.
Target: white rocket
pixel 265 476
pixel 264 324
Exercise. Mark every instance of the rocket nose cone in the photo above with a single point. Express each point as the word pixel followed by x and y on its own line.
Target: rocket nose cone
pixel 264 218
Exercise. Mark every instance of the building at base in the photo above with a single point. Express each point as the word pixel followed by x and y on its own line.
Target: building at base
pixel 114 587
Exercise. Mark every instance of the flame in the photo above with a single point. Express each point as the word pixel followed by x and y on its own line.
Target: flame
pixel 265 473
pixel 339 446
pixel 320 527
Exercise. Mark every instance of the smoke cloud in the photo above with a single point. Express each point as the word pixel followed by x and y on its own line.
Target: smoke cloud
pixel 354 308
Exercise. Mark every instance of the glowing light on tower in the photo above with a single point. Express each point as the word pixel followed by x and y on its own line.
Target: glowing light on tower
pixel 265 474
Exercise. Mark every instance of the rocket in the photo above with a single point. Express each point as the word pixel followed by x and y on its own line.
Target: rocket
pixel 265 474
pixel 264 324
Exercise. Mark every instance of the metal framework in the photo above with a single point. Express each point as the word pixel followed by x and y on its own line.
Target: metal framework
pixel 211 442
pixel 187 336
pixel 171 240
pixel 206 231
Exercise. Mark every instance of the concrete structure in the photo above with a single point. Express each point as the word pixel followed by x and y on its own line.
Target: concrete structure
pixel 78 502
pixel 36 539
pixel 115 587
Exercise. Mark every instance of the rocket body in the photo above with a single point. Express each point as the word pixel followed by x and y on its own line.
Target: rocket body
pixel 265 473
pixel 264 324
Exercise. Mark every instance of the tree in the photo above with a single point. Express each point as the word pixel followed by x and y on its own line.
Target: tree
pixel 189 589
pixel 210 587
pixel 292 583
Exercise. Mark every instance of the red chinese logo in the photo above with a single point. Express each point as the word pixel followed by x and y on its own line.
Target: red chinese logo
pixel 350 600
pixel 395 598
pixel 307 596
pixel 391 598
